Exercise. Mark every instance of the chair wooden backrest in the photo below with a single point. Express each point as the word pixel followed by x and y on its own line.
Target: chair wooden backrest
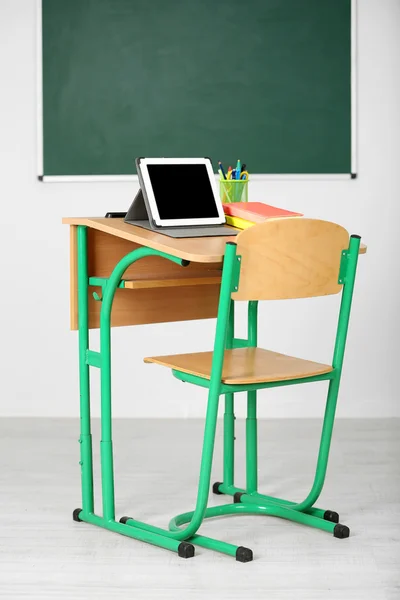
pixel 290 258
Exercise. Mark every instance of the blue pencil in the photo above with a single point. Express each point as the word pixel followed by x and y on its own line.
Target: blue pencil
pixel 222 169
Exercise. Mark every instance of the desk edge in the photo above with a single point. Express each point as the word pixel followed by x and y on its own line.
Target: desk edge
pixel 156 245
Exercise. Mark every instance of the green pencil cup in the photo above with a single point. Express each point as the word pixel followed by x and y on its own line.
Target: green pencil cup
pixel 232 190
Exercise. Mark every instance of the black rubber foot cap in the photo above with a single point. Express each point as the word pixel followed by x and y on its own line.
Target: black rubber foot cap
pixel 216 488
pixel 124 519
pixel 185 550
pixel 236 498
pixel 332 516
pixel 341 531
pixel 75 515
pixel 244 554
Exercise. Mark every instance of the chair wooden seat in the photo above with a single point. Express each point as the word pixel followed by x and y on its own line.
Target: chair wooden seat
pixel 244 365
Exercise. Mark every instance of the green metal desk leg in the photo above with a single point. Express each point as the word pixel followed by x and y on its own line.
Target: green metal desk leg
pixel 251 443
pixel 107 521
pixel 229 440
pixel 85 439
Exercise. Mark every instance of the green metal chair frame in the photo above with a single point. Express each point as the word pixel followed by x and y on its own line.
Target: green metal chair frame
pixel 182 533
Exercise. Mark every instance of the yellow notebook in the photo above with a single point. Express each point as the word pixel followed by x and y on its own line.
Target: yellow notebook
pixel 238 222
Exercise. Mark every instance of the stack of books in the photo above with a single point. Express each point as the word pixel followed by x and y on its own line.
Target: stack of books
pixel 245 214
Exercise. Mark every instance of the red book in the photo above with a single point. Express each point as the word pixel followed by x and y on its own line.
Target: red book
pixel 257 212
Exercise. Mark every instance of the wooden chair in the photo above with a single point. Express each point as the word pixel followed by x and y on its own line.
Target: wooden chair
pixel 285 258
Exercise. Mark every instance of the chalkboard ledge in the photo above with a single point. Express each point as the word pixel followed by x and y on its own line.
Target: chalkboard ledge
pixel 253 177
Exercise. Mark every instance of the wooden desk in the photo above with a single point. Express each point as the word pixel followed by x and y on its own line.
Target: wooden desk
pixel 156 290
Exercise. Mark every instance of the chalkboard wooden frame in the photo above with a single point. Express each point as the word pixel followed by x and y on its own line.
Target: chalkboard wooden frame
pixel 134 178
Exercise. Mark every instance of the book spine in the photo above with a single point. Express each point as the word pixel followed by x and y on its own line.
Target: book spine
pixel 238 222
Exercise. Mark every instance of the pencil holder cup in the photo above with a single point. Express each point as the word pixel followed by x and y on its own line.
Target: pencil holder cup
pixel 232 190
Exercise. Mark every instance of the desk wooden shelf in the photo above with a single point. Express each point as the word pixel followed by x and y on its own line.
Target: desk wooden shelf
pixel 147 280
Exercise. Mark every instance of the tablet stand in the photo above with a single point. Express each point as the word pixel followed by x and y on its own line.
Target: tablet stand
pixel 137 210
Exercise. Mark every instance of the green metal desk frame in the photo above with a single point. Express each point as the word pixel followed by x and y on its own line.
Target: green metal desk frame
pixel 246 500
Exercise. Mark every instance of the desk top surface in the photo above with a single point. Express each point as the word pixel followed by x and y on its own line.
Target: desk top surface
pixel 204 250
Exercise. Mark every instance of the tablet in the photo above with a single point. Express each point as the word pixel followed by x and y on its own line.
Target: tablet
pixel 180 191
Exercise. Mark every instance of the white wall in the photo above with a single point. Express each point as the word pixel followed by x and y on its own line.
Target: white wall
pixel 39 353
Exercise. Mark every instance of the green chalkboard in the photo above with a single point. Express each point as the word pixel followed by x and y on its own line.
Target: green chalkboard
pixel 266 81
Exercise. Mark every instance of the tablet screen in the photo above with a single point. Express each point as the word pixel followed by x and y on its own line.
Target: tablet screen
pixel 188 194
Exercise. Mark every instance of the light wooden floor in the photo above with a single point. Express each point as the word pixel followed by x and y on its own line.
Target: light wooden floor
pixel 45 555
